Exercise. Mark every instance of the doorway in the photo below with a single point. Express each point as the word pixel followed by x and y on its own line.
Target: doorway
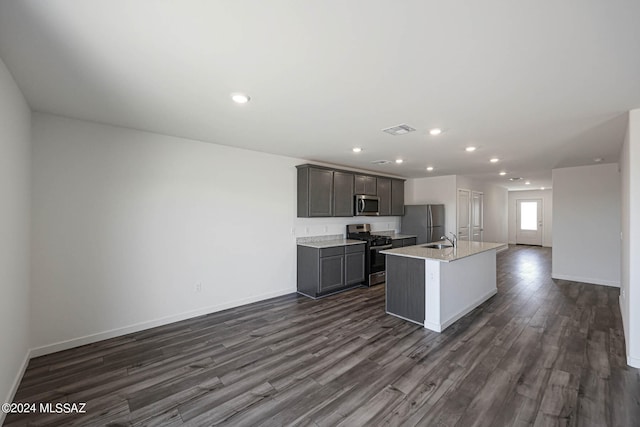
pixel 529 222
pixel 470 215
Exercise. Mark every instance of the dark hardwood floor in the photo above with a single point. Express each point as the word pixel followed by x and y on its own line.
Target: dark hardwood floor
pixel 541 352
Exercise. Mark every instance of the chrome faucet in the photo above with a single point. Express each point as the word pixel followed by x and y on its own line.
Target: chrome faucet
pixel 453 240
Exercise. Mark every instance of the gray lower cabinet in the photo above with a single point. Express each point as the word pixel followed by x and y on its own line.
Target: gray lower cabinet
pixel 397 197
pixel 400 243
pixel 410 241
pixel 331 273
pixel 327 270
pixel 384 193
pixel 354 264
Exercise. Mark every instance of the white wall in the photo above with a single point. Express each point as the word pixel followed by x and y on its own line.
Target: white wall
pixel 630 259
pixel 15 192
pixel 444 190
pixel 435 190
pixel 495 199
pixel 586 220
pixel 125 223
pixel 547 213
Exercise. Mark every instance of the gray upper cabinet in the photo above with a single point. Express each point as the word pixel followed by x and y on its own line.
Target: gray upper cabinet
pixel 365 184
pixel 326 192
pixel 397 197
pixel 315 192
pixel 343 186
pixel 384 193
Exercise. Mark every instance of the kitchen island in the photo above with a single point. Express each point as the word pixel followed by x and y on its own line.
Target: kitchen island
pixel 436 287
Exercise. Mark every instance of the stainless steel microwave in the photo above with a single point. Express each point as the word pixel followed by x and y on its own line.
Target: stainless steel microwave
pixel 367 205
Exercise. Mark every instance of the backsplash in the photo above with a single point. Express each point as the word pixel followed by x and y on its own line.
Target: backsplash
pixel 315 227
pixel 309 239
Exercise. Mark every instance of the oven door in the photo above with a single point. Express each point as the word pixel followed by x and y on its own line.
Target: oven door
pixel 377 263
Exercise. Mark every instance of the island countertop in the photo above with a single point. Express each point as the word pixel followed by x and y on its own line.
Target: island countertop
pixel 462 250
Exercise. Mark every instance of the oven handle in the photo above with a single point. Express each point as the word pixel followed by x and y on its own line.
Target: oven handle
pixel 380 248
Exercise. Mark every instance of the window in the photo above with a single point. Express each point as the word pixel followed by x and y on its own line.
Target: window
pixel 529 216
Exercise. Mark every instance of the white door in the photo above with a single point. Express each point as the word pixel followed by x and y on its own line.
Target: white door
pixel 464 214
pixel 529 222
pixel 477 216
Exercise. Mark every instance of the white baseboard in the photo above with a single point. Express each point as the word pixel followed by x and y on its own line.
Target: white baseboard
pixel 444 325
pixel 439 327
pixel 88 339
pixel 432 326
pixel 16 384
pixel 634 362
pixel 589 280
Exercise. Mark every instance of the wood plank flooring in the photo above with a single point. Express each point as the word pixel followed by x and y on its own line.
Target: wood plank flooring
pixel 541 352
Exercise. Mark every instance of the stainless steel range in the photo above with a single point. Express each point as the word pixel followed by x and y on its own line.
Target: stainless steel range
pixel 374 261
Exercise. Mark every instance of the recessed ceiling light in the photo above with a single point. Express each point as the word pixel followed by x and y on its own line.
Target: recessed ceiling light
pixel 430 168
pixel 435 131
pixel 357 149
pixel 503 173
pixel 494 160
pixel 527 183
pixel 398 161
pixel 470 149
pixel 542 188
pixel 240 98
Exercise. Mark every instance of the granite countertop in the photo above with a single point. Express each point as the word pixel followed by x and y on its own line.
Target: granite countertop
pixel 462 250
pixel 320 244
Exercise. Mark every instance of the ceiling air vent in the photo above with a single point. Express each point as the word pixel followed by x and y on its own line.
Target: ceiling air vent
pixel 516 178
pixel 381 162
pixel 399 130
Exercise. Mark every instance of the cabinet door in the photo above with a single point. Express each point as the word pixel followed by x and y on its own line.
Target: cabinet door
pixel 464 214
pixel 477 219
pixel 365 184
pixel 397 197
pixel 331 273
pixel 320 192
pixel 396 243
pixel 384 193
pixel 410 241
pixel 342 194
pixel 354 267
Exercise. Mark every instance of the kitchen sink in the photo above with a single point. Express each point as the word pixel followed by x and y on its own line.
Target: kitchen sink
pixel 437 246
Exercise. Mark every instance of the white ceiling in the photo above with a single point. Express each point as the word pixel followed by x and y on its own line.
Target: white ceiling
pixel 539 84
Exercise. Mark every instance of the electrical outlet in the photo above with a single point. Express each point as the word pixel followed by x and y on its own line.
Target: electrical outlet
pixel 198 287
pixel 622 293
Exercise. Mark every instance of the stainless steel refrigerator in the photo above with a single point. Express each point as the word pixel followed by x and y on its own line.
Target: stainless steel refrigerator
pixel 425 221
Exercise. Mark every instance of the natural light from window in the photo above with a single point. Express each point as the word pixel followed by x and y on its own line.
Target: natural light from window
pixel 529 216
